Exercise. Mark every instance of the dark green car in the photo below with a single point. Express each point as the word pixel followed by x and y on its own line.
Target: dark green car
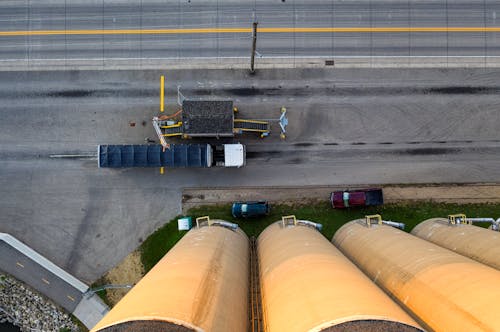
pixel 250 209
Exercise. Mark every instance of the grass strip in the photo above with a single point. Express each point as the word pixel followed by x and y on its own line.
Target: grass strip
pixel 163 239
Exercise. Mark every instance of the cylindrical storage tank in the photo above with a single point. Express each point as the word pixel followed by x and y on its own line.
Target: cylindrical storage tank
pixel 308 285
pixel 201 284
pixel 445 290
pixel 475 242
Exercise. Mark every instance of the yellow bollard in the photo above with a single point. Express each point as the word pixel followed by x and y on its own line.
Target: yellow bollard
pixel 162 93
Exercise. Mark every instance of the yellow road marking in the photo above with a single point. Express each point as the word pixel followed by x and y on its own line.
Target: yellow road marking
pixel 122 31
pixel 19 264
pixel 382 29
pixel 71 298
pixel 244 30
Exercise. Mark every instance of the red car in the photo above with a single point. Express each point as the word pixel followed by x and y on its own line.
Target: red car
pixel 361 197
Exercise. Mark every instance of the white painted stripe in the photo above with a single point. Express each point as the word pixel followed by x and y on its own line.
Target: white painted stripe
pixel 264 57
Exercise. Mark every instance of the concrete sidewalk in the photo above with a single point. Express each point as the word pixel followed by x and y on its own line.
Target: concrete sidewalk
pixel 25 264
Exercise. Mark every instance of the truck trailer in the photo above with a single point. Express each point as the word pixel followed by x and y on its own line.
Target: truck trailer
pixel 177 156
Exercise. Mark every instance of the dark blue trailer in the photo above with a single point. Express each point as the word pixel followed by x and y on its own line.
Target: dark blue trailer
pixel 178 155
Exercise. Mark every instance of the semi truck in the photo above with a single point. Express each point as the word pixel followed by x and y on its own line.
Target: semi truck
pixel 178 155
pixel 361 197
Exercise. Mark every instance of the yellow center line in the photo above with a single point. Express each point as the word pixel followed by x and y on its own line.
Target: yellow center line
pixel 245 30
pixel 381 29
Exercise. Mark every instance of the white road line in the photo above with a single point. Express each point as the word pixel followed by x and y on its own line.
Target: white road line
pixel 264 57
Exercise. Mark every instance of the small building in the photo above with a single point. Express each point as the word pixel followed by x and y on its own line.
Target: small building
pixel 207 118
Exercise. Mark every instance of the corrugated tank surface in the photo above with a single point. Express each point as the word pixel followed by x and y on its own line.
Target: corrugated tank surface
pixel 480 244
pixel 447 291
pixel 200 285
pixel 308 285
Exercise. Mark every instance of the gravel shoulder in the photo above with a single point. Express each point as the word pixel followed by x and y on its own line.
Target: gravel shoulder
pixel 26 308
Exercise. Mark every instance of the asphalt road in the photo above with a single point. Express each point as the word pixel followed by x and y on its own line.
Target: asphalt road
pixel 35 275
pixel 31 15
pixel 346 127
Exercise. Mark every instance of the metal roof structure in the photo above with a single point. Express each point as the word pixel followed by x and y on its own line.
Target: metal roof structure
pixel 301 282
pixel 309 285
pixel 201 284
pixel 480 244
pixel 444 290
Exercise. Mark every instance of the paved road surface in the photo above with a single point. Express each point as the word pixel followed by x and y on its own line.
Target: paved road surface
pixel 346 127
pixel 31 15
pixel 38 277
pixel 25 264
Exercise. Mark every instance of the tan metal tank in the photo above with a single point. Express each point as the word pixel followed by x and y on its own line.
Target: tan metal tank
pixel 447 291
pixel 475 242
pixel 308 285
pixel 200 285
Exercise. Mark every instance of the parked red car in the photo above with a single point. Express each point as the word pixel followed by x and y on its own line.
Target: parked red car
pixel 361 197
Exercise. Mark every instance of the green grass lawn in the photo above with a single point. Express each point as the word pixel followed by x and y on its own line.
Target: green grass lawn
pixel 157 245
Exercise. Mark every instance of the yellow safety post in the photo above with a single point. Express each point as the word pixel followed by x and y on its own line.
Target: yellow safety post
pixel 162 170
pixel 162 93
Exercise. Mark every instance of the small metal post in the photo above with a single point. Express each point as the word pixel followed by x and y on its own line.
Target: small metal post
pixel 254 46
pixel 162 93
pixel 180 96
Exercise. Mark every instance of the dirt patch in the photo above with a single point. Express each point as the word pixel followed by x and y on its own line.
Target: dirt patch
pixel 128 272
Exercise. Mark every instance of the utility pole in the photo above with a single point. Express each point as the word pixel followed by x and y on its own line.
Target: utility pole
pixel 254 46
